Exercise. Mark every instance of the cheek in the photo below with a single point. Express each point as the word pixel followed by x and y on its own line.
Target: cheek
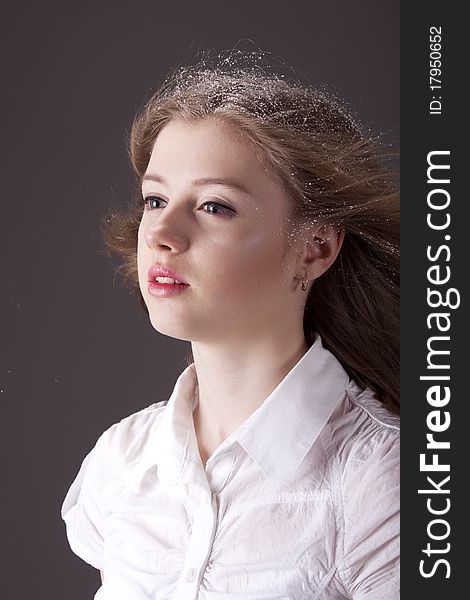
pixel 256 258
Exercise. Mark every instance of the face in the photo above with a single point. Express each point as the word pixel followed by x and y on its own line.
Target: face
pixel 219 219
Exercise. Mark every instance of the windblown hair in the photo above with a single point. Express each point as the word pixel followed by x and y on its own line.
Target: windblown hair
pixel 336 174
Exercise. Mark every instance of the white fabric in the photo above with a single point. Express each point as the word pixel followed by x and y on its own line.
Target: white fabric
pixel 300 502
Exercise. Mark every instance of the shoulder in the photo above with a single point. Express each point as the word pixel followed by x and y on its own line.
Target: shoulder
pixel 363 432
pixel 365 446
pixel 363 440
pixel 366 440
pixel 124 441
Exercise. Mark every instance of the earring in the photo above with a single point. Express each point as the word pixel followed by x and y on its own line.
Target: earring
pixel 304 283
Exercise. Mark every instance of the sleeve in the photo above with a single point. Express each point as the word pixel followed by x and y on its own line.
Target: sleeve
pixel 371 497
pixel 83 510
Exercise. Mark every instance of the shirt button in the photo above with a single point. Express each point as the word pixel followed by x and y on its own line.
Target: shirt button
pixel 190 575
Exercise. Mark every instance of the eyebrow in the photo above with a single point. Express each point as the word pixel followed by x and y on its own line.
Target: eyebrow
pixel 228 183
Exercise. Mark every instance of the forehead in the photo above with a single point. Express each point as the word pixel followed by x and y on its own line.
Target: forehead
pixel 211 148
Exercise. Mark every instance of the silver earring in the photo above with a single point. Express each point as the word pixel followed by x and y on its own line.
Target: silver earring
pixel 304 283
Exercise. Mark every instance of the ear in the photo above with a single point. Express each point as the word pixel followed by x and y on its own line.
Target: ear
pixel 321 246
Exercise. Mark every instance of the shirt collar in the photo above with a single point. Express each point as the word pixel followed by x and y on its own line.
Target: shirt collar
pixel 294 414
pixel 277 435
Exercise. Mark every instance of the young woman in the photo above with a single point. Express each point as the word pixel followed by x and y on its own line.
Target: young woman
pixel 266 232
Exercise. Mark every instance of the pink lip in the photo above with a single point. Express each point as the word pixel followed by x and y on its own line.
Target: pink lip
pixel 158 271
pixel 165 290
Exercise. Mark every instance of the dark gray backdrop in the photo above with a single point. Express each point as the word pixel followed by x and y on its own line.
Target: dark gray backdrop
pixel 78 352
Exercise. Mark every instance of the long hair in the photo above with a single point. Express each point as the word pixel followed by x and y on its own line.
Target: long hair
pixel 335 172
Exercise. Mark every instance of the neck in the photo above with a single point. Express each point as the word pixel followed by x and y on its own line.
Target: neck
pixel 234 381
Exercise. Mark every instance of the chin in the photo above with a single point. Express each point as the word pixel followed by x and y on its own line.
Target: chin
pixel 170 327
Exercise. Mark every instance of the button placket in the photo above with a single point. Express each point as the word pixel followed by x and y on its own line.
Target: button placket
pixel 218 469
pixel 199 548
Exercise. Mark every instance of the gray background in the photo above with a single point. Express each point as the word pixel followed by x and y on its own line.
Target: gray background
pixel 78 352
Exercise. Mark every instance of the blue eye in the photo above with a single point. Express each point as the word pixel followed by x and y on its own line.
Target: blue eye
pixel 217 208
pixel 220 209
pixel 149 200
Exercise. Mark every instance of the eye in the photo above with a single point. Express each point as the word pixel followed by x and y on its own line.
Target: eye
pixel 150 201
pixel 219 209
pixel 214 208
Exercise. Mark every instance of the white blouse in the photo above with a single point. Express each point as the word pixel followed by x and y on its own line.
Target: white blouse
pixel 300 502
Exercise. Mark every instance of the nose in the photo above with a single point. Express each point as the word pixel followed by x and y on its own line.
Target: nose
pixel 167 230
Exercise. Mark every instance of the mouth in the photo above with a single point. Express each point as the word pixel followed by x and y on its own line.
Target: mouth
pixel 164 276
pixel 169 281
pixel 165 287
